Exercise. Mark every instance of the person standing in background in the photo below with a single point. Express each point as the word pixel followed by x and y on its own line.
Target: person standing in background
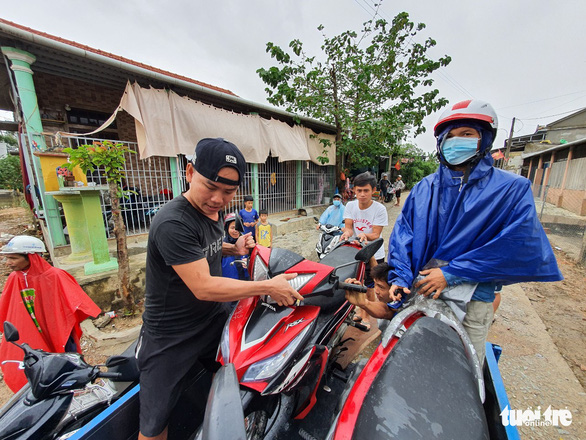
pixel 398 186
pixel 249 216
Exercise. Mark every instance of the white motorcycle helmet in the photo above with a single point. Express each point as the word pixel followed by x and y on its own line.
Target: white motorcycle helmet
pixel 472 109
pixel 474 113
pixel 24 244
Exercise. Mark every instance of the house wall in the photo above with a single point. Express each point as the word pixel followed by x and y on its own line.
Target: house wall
pixel 570 129
pixel 567 134
pixel 55 92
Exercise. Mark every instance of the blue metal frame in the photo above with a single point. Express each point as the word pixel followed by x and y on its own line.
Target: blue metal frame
pixel 501 394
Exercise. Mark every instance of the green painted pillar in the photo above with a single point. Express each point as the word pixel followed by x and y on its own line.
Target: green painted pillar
pixel 255 186
pixel 98 241
pixel 76 225
pixel 299 185
pixel 85 225
pixel 21 66
pixel 175 176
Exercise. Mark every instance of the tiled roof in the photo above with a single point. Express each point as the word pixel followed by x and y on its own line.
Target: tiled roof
pixel 114 57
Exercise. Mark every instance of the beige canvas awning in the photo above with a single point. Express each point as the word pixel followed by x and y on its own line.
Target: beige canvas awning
pixel 168 124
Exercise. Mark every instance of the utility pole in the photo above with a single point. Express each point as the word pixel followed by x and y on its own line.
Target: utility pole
pixel 508 151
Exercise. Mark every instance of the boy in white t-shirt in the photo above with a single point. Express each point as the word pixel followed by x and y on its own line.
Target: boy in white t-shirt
pixel 365 219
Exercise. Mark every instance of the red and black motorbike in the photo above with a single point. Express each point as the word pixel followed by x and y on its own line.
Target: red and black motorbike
pixel 424 381
pixel 280 354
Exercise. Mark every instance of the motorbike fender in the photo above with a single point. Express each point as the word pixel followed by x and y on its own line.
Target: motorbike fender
pixel 34 421
pixel 224 415
pixel 309 381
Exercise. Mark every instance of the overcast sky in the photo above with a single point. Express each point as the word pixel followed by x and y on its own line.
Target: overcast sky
pixel 526 57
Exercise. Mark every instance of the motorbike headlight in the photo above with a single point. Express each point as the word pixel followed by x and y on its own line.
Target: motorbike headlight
pixel 270 367
pixel 260 271
pixel 225 341
pixel 297 283
pixel 301 280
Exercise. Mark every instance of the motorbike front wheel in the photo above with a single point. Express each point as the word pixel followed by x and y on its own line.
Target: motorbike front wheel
pixel 255 424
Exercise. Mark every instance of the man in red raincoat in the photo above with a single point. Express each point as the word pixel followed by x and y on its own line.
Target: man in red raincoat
pixel 45 304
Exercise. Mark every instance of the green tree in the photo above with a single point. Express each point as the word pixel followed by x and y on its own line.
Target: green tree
pixel 10 173
pixel 419 164
pixel 371 86
pixel 9 139
pixel 111 157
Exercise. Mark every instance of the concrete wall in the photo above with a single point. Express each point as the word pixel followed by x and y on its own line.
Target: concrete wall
pixel 102 288
pixel 572 200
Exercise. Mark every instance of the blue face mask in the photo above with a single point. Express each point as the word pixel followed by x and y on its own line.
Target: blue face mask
pixel 337 203
pixel 458 150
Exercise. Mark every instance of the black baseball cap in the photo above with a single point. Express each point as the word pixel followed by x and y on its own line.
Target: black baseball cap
pixel 213 154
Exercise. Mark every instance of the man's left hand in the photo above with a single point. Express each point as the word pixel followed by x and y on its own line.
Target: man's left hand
pixel 433 283
pixel 244 243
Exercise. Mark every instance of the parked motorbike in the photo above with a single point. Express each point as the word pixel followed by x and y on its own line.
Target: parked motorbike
pixel 60 395
pixel 424 381
pixel 60 401
pixel 137 211
pixel 328 239
pixel 390 195
pixel 281 354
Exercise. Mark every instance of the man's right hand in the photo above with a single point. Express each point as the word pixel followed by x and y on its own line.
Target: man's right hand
pixel 281 290
pixel 355 298
pixel 395 292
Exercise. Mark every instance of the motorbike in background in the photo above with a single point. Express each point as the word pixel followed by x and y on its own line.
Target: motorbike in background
pixel 329 238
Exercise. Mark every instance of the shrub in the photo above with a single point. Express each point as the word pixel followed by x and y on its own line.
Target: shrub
pixel 10 173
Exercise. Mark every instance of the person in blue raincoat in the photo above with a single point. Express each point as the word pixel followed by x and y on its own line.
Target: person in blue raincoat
pixel 334 214
pixel 478 219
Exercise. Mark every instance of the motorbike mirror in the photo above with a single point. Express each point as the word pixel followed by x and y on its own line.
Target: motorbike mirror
pixel 238 224
pixel 369 250
pixel 10 332
pixel 316 219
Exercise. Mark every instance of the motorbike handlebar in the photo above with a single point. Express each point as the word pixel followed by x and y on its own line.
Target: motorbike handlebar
pixel 109 375
pixel 352 287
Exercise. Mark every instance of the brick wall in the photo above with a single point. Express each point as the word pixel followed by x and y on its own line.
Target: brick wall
pixel 54 92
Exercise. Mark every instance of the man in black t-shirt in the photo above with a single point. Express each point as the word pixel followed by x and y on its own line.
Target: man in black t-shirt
pixel 383 186
pixel 184 316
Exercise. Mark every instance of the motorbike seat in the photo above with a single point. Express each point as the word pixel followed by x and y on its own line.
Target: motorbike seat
pixel 427 380
pixel 339 256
